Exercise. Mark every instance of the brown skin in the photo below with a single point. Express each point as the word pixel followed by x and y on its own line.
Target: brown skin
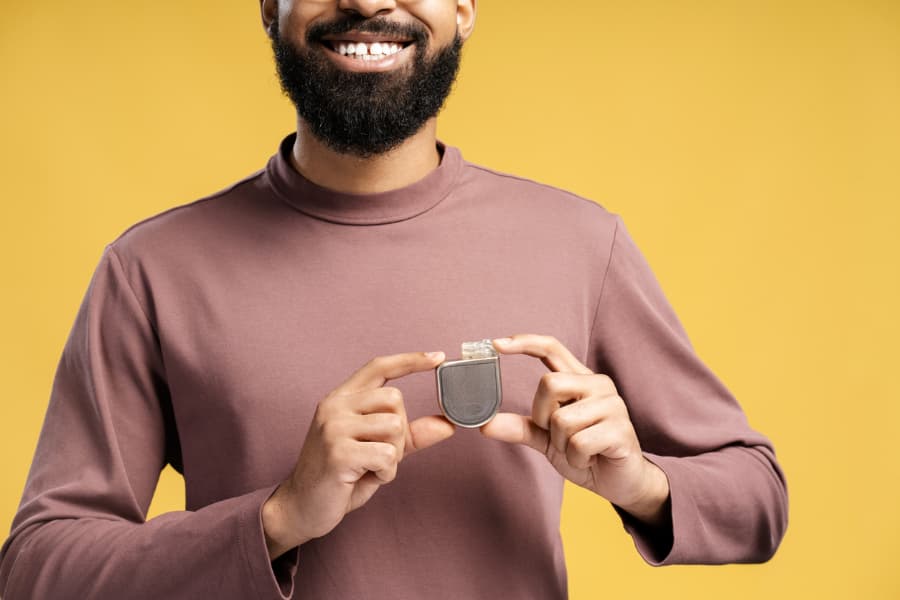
pixel 360 432
pixel 358 436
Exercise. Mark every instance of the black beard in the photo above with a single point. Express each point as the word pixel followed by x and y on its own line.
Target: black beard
pixel 365 114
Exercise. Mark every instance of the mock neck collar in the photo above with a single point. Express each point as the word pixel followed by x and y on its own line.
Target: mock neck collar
pixel 361 209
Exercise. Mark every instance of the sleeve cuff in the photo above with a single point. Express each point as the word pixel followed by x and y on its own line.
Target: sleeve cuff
pixel 659 548
pixel 273 579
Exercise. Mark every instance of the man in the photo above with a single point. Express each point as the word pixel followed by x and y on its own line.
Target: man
pixel 248 339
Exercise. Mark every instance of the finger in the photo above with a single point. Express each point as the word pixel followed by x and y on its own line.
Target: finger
pixel 378 457
pixel 550 350
pixel 384 399
pixel 380 369
pixel 380 427
pixel 558 389
pixel 600 439
pixel 568 420
pixel 364 489
pixel 427 431
pixel 517 429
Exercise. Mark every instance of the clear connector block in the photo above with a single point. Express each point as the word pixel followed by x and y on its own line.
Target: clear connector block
pixel 479 349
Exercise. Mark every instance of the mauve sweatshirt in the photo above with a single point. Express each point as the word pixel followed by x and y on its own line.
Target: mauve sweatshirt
pixel 209 333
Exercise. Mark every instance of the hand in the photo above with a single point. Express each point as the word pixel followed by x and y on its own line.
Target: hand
pixel 356 439
pixel 580 423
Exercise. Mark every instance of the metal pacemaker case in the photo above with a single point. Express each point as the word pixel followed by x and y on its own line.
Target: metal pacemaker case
pixel 469 390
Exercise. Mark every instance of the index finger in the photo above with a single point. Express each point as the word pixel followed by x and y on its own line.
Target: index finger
pixel 380 369
pixel 550 350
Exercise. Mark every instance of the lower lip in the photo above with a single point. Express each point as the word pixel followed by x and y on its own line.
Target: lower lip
pixel 361 65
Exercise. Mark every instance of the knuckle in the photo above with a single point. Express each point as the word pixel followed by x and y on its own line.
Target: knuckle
pixel 624 433
pixel 394 425
pixel 549 381
pixel 379 363
pixel 327 405
pixel 560 420
pixel 389 474
pixel 577 444
pixel 550 343
pixel 605 382
pixel 393 395
pixel 619 408
pixel 389 453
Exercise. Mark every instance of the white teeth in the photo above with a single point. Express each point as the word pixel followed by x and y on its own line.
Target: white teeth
pixel 372 51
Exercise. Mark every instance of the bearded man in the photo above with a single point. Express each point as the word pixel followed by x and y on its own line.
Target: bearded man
pixel 247 339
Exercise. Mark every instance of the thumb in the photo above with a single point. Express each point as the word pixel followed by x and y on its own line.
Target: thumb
pixel 427 431
pixel 517 429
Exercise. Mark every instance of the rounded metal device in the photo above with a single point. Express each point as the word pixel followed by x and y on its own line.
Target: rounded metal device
pixel 469 389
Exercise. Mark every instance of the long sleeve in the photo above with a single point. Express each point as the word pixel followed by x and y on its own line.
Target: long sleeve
pixel 728 493
pixel 80 531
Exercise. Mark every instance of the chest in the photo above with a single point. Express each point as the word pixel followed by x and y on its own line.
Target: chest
pixel 251 351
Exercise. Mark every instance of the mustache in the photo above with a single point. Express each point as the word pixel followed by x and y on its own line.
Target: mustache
pixel 413 31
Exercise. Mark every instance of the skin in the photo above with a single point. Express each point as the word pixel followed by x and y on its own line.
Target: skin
pixel 580 423
pixel 360 433
pixel 357 438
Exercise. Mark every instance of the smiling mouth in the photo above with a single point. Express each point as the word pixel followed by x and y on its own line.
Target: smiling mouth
pixel 366 51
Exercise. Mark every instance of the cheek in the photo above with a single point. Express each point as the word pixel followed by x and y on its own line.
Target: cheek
pixel 439 17
pixel 296 17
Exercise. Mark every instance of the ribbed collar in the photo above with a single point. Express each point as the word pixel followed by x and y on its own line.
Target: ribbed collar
pixel 361 209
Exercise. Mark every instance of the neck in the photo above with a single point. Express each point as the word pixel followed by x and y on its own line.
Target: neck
pixel 402 166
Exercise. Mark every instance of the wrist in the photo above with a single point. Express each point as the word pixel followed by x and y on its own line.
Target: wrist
pixel 652 504
pixel 278 525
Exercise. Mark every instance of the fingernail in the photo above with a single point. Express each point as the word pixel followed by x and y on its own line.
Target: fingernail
pixel 434 355
pixel 503 341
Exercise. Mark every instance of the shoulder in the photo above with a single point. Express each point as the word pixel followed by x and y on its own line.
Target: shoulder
pixel 190 223
pixel 547 206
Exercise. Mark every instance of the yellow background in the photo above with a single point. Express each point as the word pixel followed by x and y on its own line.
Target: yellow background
pixel 753 149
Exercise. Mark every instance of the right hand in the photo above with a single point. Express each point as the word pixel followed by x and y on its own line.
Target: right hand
pixel 356 439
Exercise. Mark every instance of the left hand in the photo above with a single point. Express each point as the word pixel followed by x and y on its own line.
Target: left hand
pixel 580 423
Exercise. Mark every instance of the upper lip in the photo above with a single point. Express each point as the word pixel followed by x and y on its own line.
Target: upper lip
pixel 365 37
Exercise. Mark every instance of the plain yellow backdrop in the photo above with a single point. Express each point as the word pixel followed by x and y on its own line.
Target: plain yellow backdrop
pixel 753 149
